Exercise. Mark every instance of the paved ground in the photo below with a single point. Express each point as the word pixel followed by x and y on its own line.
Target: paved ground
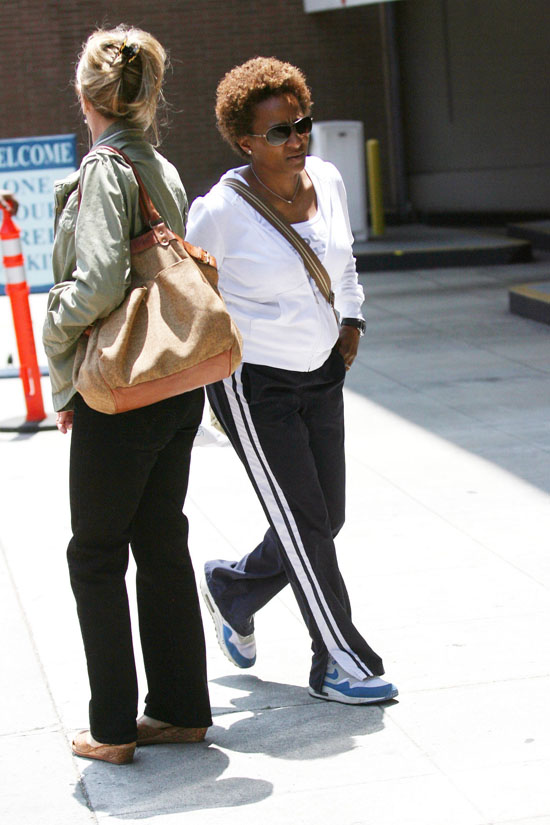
pixel 445 552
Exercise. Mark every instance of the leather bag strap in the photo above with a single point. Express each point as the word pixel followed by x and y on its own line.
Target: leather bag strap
pixel 274 217
pixel 150 215
pixel 153 219
pixel 148 212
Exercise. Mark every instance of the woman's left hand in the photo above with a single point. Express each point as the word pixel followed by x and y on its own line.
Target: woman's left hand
pixel 348 344
pixel 64 421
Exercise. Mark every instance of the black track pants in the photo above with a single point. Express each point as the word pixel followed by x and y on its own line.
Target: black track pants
pixel 288 429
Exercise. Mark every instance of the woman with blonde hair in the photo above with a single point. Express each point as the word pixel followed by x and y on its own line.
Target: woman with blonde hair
pixel 129 472
pixel 283 407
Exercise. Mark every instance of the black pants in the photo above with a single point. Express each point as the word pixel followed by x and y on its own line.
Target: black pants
pixel 128 482
pixel 288 429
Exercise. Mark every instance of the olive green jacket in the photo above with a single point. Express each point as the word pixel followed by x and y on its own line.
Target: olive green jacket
pixel 91 253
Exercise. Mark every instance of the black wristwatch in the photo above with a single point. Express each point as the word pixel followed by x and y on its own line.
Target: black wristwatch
pixel 357 323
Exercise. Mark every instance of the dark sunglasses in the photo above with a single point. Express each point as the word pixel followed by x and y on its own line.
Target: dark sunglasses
pixel 279 134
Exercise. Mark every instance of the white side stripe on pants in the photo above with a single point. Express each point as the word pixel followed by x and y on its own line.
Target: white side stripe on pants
pixel 287 530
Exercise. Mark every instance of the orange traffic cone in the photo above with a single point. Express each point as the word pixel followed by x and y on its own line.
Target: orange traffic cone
pixel 17 289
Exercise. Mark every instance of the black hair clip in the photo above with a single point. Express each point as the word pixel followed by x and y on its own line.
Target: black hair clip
pixel 129 52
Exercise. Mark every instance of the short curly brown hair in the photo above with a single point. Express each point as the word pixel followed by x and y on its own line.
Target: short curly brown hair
pixel 242 88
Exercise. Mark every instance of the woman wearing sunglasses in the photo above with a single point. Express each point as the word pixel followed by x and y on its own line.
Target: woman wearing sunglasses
pixel 283 408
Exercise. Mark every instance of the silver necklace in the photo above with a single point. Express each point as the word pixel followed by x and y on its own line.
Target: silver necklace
pixel 286 200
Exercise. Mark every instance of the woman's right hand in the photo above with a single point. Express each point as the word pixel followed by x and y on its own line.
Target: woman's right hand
pixel 64 421
pixel 8 201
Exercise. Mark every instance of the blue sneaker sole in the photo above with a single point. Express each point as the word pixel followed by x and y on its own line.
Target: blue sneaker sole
pixel 223 631
pixel 333 695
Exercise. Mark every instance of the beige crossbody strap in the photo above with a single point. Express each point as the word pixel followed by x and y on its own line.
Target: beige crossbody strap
pixel 311 261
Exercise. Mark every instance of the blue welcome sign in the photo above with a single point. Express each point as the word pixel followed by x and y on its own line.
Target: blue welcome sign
pixel 28 168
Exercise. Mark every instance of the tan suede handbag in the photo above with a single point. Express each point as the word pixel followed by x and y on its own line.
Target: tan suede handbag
pixel 171 334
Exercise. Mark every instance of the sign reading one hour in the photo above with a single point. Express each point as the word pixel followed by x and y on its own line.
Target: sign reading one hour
pixel 28 168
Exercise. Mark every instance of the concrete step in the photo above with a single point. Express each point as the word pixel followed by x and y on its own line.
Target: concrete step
pixel 537 232
pixel 416 246
pixel 531 301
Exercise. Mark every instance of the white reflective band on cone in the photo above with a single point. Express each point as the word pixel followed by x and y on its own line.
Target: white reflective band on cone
pixel 15 274
pixel 11 248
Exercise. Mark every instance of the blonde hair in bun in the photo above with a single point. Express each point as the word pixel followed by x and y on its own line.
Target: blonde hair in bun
pixel 120 72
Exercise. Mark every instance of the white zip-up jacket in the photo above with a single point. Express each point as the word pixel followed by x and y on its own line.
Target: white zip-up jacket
pixel 283 318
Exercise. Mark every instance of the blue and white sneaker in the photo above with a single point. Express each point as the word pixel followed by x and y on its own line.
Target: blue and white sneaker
pixel 339 686
pixel 240 650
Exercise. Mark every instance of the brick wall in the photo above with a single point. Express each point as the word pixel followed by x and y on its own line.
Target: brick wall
pixel 339 51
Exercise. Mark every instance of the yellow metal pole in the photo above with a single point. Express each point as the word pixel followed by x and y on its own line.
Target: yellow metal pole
pixel 378 224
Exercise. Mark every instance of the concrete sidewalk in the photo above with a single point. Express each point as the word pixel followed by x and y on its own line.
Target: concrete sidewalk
pixel 445 553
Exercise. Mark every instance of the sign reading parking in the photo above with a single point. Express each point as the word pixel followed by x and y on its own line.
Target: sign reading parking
pixel 28 168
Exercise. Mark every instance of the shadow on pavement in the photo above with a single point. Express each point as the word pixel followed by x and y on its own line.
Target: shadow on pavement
pixel 281 722
pixel 444 353
pixel 168 779
pixel 285 723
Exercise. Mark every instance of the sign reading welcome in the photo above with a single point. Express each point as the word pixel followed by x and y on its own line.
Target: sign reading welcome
pixel 28 168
